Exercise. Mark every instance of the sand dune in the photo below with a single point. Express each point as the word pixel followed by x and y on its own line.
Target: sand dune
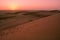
pixel 47 28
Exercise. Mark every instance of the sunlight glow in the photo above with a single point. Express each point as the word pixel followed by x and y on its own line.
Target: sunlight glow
pixel 12 6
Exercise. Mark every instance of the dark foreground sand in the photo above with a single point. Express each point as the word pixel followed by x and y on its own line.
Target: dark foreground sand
pixel 47 28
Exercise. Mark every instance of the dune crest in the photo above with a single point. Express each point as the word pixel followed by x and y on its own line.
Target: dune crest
pixel 41 29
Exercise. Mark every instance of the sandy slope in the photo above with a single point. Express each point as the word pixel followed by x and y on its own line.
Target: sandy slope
pixel 11 20
pixel 42 29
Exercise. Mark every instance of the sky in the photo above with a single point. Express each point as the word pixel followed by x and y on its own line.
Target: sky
pixel 29 4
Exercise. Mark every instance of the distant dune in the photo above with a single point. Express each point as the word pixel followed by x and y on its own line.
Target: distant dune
pixel 12 18
pixel 47 28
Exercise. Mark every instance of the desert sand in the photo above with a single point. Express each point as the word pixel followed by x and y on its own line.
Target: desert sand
pixel 47 28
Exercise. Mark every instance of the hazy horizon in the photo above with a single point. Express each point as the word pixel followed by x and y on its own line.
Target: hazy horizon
pixel 29 4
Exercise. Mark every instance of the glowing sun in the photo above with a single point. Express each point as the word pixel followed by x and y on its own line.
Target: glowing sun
pixel 12 6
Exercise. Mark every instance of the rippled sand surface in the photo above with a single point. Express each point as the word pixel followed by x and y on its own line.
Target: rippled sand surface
pixel 47 28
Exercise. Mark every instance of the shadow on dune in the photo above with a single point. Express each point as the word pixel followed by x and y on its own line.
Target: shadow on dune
pixel 16 14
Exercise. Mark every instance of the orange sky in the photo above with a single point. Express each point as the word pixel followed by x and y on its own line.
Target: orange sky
pixel 29 4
